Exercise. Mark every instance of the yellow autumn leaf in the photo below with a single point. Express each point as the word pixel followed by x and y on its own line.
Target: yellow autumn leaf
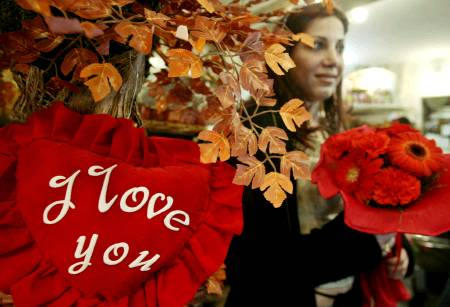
pixel 276 57
pixel 102 78
pixel 253 172
pixel 298 162
pixel 273 137
pixel 207 5
pixel 277 184
pixel 304 38
pixel 292 113
pixel 218 146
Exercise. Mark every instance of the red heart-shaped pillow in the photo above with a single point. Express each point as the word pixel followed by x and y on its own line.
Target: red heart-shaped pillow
pixel 94 212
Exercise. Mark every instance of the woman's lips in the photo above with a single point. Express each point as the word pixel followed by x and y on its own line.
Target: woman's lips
pixel 327 79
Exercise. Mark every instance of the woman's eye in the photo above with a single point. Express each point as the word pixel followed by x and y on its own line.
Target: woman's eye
pixel 340 48
pixel 319 45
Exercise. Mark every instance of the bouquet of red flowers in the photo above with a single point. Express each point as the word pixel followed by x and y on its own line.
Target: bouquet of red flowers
pixel 391 179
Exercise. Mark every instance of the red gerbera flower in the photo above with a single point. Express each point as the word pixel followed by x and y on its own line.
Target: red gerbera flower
pixel 338 145
pixel 354 174
pixel 372 143
pixel 414 153
pixel 397 128
pixel 395 187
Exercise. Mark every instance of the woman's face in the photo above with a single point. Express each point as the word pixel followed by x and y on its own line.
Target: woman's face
pixel 319 70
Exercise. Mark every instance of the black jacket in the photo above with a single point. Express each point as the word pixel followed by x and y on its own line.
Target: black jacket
pixel 271 264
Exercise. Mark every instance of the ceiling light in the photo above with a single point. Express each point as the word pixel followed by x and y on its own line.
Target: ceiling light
pixel 358 15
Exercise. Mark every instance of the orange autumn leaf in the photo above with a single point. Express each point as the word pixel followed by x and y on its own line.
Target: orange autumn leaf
pixel 207 5
pixel 91 30
pixel 104 76
pixel 39 6
pixel 214 284
pixel 292 113
pixel 253 76
pixel 183 63
pixel 273 137
pixel 198 44
pixel 298 162
pixel 156 18
pixel 77 58
pixel 276 57
pixel 294 1
pixel 329 5
pixel 62 25
pixel 218 147
pixel 243 141
pixel 120 2
pixel 277 184
pixel 253 172
pixel 90 9
pixel 142 36
pixel 304 38
pixel 207 29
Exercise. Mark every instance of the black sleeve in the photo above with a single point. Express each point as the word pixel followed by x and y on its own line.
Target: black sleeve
pixel 271 253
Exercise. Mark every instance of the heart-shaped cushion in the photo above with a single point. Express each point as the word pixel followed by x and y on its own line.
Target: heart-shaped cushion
pixel 86 200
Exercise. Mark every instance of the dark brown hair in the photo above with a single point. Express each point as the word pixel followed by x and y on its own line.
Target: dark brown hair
pixel 332 107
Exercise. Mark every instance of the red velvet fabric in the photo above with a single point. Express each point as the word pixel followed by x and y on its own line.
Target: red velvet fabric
pixel 35 257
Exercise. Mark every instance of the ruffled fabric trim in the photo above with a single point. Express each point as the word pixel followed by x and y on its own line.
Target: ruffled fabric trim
pixel 33 280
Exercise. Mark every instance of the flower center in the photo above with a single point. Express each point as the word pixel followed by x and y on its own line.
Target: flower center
pixel 352 174
pixel 417 150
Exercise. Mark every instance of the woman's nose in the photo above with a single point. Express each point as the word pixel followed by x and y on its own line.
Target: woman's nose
pixel 331 57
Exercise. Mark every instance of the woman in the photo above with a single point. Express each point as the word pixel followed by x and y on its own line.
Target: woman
pixel 273 263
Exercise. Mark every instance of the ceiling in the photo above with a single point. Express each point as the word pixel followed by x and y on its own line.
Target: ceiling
pixel 398 31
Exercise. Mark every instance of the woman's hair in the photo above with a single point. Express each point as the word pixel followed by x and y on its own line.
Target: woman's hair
pixel 283 87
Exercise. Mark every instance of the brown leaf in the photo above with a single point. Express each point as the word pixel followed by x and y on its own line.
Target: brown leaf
pixel 276 57
pixel 55 84
pixel 39 6
pixel 91 30
pixel 225 95
pixel 9 91
pixel 79 58
pixel 61 25
pixel 253 76
pixel 293 113
pixel 277 184
pixel 18 47
pixel 227 120
pixel 273 137
pixel 207 5
pixel 105 76
pixel 298 161
pixel 304 38
pixel 142 36
pixel 45 40
pixel 207 29
pixel 218 147
pixel 183 62
pixel 253 172
pixel 214 283
pixel 156 18
pixel 243 141
pixel 90 9
pixel 105 39
pixel 294 1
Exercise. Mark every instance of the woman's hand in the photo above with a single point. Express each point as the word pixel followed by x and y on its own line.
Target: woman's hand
pixel 402 267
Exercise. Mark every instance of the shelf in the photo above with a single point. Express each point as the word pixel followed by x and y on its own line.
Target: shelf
pixel 155 126
pixel 367 107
